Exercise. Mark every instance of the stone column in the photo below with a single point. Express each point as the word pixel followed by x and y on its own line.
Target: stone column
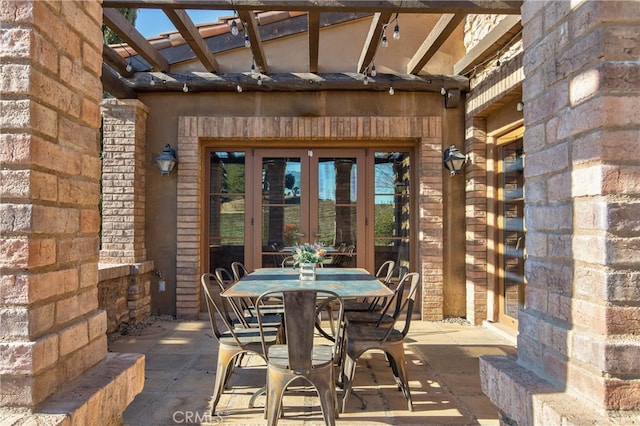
pixel 52 331
pixel 123 181
pixel 578 341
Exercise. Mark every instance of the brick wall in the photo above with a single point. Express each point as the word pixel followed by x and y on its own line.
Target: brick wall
pixel 123 181
pixel 579 333
pixel 191 130
pixel 52 331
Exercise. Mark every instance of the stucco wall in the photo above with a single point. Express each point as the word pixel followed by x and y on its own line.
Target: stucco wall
pixel 162 128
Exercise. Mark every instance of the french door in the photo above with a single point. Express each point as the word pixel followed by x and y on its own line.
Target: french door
pixel 309 196
pixel 511 231
pixel 260 201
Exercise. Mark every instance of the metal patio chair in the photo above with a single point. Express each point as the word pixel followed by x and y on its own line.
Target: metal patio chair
pixel 300 357
pixel 232 342
pixel 360 338
pixel 384 273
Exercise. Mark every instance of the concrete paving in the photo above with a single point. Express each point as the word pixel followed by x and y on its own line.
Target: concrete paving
pixel 442 366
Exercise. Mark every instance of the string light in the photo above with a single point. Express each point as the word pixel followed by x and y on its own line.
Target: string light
pixel 247 42
pixel 373 70
pixel 253 67
pixel 385 42
pixel 239 88
pixel 259 80
pixel 391 91
pixel 185 88
pixel 234 28
pixel 129 67
pixel 396 31
pixel 443 91
pixel 365 80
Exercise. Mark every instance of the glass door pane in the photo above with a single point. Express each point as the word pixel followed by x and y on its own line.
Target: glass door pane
pixel 392 208
pixel 226 208
pixel 335 221
pixel 283 189
pixel 512 229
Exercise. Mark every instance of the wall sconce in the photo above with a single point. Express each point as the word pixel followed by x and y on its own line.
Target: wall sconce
pixel 167 160
pixel 454 160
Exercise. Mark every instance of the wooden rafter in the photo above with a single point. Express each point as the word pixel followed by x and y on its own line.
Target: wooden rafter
pixel 447 23
pixel 378 24
pixel 117 62
pixel 251 27
pixel 292 82
pixel 128 33
pixel 191 35
pixel 504 7
pixel 115 86
pixel 314 40
pixel 497 38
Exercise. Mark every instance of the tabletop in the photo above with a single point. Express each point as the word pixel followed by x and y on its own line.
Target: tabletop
pixel 346 282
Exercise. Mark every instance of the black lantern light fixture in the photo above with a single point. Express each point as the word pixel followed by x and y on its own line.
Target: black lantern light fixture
pixel 454 160
pixel 167 160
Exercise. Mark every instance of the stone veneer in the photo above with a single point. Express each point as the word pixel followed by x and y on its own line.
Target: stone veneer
pixel 194 132
pixel 52 336
pixel 578 342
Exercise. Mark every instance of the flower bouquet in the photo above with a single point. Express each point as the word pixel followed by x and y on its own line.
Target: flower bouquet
pixel 306 257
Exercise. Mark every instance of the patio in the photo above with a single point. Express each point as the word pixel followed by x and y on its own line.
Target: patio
pixel 442 364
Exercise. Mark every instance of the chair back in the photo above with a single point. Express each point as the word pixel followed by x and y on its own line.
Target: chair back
pixel 300 315
pixel 405 306
pixel 385 271
pixel 238 270
pixel 216 307
pixel 224 277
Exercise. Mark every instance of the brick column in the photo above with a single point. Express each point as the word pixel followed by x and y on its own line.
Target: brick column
pixel 123 181
pixel 578 344
pixel 51 330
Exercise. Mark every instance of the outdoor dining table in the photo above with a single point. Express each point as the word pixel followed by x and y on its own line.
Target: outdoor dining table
pixel 348 283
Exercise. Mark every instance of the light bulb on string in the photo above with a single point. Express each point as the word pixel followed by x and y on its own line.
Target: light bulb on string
pixel 396 32
pixel 260 80
pixel 253 67
pixel 239 88
pixel 443 91
pixel 234 28
pixel 129 68
pixel 247 42
pixel 373 70
pixel 391 91
pixel 385 42
pixel 365 80
pixel 185 88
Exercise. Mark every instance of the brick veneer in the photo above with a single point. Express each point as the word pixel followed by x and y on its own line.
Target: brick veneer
pixel 578 334
pixel 426 131
pixel 52 330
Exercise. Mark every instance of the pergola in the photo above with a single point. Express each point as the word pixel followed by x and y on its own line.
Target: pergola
pixel 125 79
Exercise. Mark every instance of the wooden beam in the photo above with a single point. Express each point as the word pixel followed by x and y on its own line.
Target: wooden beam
pixel 505 7
pixel 114 85
pixel 117 62
pixel 497 38
pixel 114 20
pixel 372 41
pixel 191 35
pixel 250 25
pixel 314 40
pixel 144 82
pixel 436 38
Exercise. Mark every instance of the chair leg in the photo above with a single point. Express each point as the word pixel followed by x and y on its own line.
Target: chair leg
pixel 225 358
pixel 276 384
pixel 399 368
pixel 348 372
pixel 328 399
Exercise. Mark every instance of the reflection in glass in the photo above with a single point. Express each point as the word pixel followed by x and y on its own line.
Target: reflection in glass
pixel 226 208
pixel 512 227
pixel 281 194
pixel 392 208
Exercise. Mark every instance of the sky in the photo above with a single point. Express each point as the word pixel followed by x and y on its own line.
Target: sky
pixel 153 22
